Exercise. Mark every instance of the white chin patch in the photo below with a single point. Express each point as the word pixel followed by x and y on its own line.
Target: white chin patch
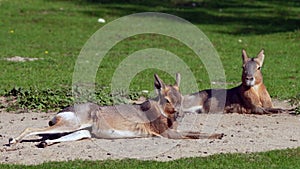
pixel 250 82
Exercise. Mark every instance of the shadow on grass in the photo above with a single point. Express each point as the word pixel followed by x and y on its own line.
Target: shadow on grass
pixel 240 17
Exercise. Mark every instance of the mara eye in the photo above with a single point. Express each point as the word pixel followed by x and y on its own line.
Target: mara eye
pixel 167 100
pixel 258 68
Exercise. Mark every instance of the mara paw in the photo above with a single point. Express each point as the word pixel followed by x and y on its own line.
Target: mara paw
pixel 42 144
pixel 12 141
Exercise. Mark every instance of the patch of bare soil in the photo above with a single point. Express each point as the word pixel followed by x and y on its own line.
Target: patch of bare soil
pixel 243 133
pixel 21 59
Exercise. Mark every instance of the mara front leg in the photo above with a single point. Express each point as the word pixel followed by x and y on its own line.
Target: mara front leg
pixel 174 134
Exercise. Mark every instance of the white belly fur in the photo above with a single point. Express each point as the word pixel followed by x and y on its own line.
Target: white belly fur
pixel 193 109
pixel 111 133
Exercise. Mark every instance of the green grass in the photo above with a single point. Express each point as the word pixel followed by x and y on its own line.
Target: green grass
pixel 31 27
pixel 267 160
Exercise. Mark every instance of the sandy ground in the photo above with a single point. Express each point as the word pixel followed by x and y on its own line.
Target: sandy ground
pixel 243 133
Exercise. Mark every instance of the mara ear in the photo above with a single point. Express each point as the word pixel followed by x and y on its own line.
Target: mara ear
pixel 178 78
pixel 260 58
pixel 244 56
pixel 158 83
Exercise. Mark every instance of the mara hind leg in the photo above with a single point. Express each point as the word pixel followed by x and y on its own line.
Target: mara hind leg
pixel 74 136
pixel 64 122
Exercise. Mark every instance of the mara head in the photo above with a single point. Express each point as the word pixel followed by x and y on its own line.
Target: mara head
pixel 169 96
pixel 252 69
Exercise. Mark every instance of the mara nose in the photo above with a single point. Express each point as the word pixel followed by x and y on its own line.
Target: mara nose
pixel 176 109
pixel 249 78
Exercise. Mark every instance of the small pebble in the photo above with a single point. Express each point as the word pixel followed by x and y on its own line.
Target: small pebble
pixel 225 141
pixel 101 20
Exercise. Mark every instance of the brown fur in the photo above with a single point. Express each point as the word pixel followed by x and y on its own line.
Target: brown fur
pixel 151 118
pixel 244 98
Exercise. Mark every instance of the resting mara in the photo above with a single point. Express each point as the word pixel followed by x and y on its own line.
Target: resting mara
pixel 151 118
pixel 249 97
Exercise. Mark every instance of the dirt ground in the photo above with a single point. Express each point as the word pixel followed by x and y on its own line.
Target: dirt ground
pixel 243 133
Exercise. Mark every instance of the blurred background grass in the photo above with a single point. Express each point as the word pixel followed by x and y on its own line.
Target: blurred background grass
pixel 56 30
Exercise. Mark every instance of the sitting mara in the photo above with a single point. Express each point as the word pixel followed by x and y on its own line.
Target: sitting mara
pixel 151 118
pixel 249 97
